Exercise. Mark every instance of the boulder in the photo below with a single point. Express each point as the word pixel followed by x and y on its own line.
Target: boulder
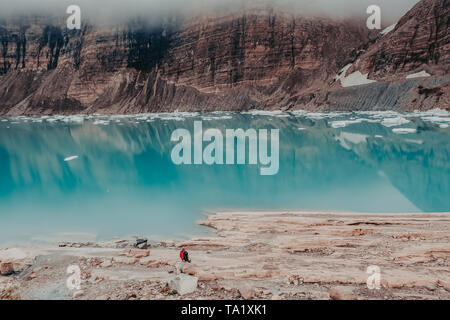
pixel 183 284
pixel 247 292
pixel 6 268
pixel 141 243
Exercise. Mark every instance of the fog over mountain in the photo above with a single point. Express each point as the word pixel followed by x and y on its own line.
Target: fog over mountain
pixel 140 56
pixel 118 11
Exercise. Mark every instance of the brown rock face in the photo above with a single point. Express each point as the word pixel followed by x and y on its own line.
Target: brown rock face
pixel 258 49
pixel 231 62
pixel 420 40
pixel 259 58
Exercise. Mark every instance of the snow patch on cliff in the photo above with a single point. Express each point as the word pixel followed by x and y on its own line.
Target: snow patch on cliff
pixel 421 74
pixel 356 79
pixel 388 29
pixel 342 73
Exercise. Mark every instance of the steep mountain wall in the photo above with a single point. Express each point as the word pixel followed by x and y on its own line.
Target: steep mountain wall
pixel 259 58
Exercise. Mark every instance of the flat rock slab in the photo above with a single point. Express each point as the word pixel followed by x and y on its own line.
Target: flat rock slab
pixel 183 284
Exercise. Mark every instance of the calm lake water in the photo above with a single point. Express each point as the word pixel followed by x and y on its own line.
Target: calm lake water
pixel 125 183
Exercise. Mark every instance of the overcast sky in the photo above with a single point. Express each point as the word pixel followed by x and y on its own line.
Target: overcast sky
pixel 115 11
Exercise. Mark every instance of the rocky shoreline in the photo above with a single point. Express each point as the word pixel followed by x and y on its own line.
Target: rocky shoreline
pixel 253 255
pixel 254 58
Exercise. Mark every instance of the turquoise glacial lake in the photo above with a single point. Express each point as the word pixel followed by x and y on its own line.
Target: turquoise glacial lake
pixel 121 181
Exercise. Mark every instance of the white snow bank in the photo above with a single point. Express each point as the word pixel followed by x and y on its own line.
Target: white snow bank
pixel 388 29
pixel 420 74
pixel 356 79
pixel 342 73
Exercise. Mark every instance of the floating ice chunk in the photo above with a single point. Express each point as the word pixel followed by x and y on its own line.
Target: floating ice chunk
pixel 298 113
pixel 392 122
pixel 174 118
pixel 436 119
pixel 74 118
pixel 315 115
pixel 209 118
pixel 356 79
pixel 321 115
pixel 101 122
pixel 443 126
pixel 265 113
pixel 185 114
pixel 344 123
pixel 380 114
pixel 420 74
pixel 436 111
pixel 388 29
pixel 404 130
pixel 70 158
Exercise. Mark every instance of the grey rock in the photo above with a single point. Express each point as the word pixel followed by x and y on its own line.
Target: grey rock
pixel 183 284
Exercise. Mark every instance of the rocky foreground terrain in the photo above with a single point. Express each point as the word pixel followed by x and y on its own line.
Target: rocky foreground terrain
pixel 258 58
pixel 265 255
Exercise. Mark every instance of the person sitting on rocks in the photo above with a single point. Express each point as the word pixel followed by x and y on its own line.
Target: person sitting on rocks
pixel 184 255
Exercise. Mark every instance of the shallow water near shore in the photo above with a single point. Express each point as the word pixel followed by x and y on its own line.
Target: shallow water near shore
pixel 119 179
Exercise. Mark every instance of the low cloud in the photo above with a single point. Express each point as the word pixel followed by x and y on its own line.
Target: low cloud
pixel 118 11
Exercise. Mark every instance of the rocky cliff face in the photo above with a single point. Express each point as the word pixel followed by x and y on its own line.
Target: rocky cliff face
pixel 259 58
pixel 419 41
pixel 411 65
